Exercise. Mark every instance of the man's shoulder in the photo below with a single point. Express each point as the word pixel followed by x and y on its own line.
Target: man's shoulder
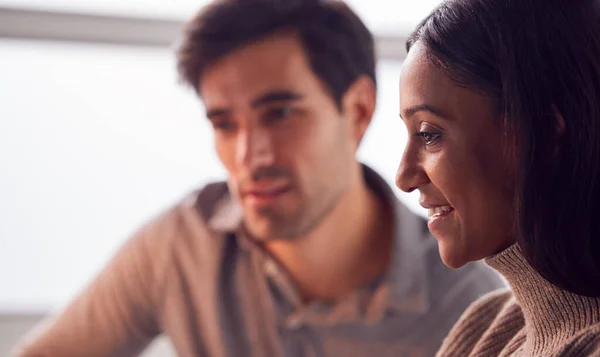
pixel 202 204
pixel 205 201
pixel 188 218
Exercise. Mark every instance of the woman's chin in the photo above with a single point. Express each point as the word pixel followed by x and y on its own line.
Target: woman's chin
pixel 452 255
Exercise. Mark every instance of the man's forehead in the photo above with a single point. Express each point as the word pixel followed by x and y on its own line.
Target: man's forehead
pixel 270 59
pixel 249 73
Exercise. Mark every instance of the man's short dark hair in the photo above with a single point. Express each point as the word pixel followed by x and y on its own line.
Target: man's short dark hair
pixel 338 45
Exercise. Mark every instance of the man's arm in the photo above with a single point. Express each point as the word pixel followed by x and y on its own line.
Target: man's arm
pixel 116 315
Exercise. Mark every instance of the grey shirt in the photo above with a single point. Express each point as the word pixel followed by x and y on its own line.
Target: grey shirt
pixel 193 276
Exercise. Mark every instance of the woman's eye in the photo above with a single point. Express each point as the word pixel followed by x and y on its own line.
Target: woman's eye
pixel 428 137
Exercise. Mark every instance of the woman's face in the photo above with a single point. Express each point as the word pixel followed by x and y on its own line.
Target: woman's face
pixel 455 157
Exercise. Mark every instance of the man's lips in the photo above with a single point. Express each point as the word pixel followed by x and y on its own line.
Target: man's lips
pixel 264 195
pixel 266 192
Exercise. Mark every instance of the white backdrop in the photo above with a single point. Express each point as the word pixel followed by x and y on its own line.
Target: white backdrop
pixel 95 140
pixel 383 17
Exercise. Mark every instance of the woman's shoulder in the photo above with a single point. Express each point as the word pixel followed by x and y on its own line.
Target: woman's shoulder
pixel 491 303
pixel 489 324
pixel 585 343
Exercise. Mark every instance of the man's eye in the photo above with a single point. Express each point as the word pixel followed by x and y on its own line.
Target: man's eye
pixel 279 113
pixel 223 125
pixel 428 137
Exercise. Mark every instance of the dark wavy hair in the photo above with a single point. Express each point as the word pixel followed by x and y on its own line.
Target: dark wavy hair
pixel 338 45
pixel 538 60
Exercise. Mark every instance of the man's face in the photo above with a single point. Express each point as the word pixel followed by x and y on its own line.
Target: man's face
pixel 288 149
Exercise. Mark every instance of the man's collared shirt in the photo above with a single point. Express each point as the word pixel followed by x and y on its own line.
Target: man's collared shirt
pixel 192 275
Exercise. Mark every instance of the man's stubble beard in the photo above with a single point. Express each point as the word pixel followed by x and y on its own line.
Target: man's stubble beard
pixel 297 224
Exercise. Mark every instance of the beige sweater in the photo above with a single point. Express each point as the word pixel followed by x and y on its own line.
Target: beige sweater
pixel 534 319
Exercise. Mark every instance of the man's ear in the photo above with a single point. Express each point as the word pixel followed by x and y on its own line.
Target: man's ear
pixel 358 105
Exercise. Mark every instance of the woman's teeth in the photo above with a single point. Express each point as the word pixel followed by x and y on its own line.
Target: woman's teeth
pixel 440 211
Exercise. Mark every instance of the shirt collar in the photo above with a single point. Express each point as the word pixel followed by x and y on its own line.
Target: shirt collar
pixel 227 216
pixel 404 287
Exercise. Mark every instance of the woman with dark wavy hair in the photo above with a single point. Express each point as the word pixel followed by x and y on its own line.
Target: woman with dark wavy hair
pixel 501 99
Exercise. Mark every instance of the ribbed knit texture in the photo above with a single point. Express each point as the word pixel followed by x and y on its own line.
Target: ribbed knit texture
pixel 536 318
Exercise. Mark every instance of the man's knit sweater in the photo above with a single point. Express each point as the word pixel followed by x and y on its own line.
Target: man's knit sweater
pixel 534 318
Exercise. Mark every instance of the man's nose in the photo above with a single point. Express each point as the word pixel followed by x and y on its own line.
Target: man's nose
pixel 255 148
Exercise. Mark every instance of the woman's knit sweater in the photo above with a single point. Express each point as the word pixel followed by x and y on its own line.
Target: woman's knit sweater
pixel 534 318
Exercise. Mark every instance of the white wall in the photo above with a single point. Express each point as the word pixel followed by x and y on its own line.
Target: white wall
pixel 94 140
pixel 383 17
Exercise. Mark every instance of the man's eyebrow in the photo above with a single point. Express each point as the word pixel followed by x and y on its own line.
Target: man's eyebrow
pixel 276 96
pixel 410 111
pixel 217 112
pixel 267 98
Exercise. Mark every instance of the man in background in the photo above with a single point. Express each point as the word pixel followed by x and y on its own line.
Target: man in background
pixel 304 251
